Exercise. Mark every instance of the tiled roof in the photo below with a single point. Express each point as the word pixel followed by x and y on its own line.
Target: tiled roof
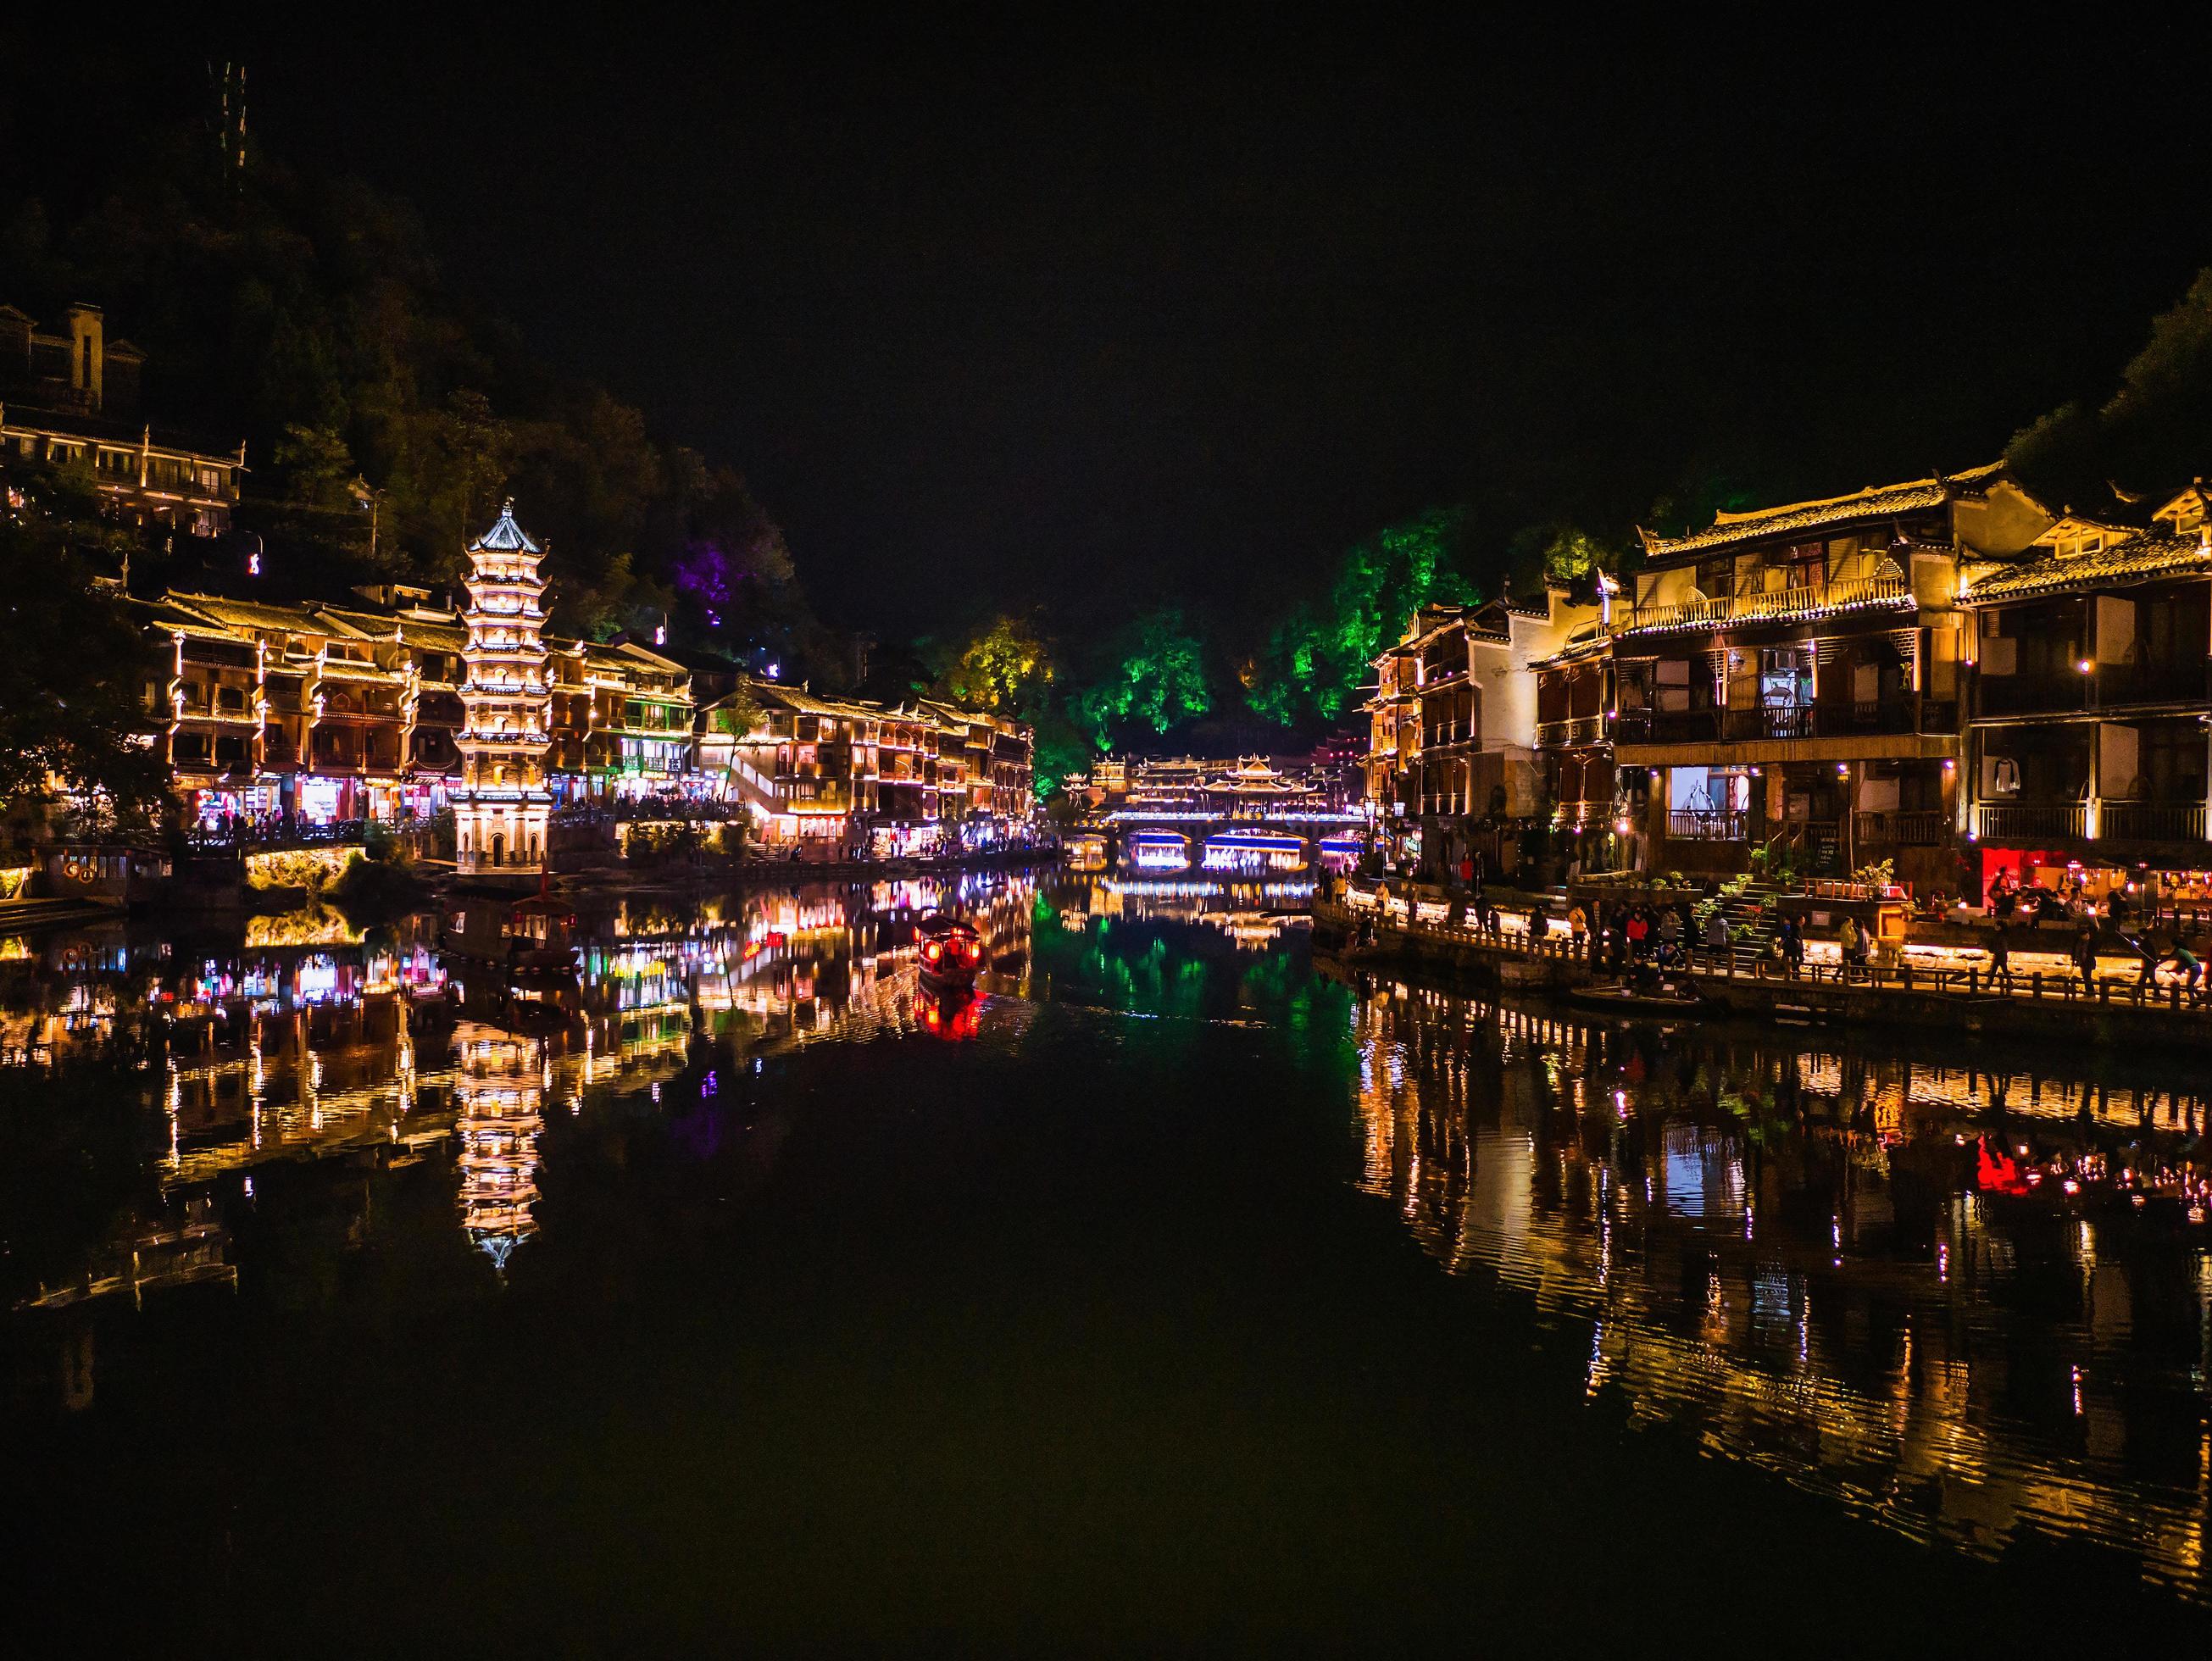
pixel 505 537
pixel 172 618
pixel 1575 653
pixel 1876 502
pixel 804 702
pixel 2139 559
pixel 261 614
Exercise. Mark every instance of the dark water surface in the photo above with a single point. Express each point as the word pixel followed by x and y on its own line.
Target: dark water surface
pixel 1172 1296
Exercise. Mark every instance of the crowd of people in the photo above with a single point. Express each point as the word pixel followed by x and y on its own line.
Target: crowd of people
pixel 230 830
pixel 1637 937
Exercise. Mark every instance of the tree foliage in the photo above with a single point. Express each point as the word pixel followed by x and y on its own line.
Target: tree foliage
pixel 307 315
pixel 71 680
pixel 1157 681
pixel 1318 658
pixel 2153 434
pixel 1007 668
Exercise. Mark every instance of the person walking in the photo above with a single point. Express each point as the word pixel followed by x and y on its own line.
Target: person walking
pixel 1716 938
pixel 2084 957
pixel 1793 947
pixel 2000 951
pixel 1852 939
pixel 1578 927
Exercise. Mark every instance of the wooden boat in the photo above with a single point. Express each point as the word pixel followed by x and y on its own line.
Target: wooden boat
pixel 1662 999
pixel 951 952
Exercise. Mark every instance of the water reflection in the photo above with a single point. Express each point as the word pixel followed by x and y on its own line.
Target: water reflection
pixel 1800 1258
pixel 297 1039
pixel 1955 1292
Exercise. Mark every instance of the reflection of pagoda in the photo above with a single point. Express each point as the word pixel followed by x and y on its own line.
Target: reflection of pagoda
pixel 499 810
pixel 501 1096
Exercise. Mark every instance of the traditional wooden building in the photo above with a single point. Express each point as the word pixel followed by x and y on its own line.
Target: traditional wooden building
pixel 70 398
pixel 1792 679
pixel 1454 768
pixel 2087 744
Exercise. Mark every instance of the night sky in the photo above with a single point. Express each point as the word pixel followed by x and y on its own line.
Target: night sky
pixel 1162 315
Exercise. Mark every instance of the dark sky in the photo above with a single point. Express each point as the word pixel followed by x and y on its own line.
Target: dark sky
pixel 1175 314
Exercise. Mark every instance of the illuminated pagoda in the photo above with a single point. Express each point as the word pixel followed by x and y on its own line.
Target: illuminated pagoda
pixel 501 1095
pixel 501 807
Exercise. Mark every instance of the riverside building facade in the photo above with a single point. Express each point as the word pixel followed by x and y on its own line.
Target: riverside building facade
pixel 1454 773
pixel 826 778
pixel 69 399
pixel 1941 676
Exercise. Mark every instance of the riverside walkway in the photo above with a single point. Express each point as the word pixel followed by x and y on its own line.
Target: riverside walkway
pixel 2041 995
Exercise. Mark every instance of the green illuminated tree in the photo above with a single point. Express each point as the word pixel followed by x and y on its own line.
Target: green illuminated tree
pixel 1159 682
pixel 1319 656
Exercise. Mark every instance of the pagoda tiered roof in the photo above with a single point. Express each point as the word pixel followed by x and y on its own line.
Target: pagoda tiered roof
pixel 505 537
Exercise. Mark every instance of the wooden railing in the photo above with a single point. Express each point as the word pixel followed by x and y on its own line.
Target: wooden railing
pixel 2151 821
pixel 1417 914
pixel 1928 827
pixel 2104 686
pixel 1690 825
pixel 2007 819
pixel 1841 718
pixel 1771 605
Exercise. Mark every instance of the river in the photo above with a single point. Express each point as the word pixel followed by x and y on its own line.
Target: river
pixel 1174 1293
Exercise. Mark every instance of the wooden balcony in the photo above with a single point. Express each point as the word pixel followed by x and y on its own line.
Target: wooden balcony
pixel 2150 821
pixel 1686 825
pixel 1768 606
pixel 1911 828
pixel 1570 734
pixel 2107 820
pixel 2011 821
pixel 1840 718
pixel 2106 686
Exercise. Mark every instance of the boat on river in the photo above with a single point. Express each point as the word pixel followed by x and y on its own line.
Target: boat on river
pixel 1662 998
pixel 951 952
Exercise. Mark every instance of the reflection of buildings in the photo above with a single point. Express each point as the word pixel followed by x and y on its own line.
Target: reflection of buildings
pixel 500 1100
pixel 1786 1255
pixel 351 1053
pixel 1254 915
pixel 285 1055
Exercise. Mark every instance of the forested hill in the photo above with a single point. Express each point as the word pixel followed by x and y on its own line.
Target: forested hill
pixel 308 316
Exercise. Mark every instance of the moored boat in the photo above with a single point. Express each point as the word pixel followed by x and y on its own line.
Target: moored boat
pixel 1662 999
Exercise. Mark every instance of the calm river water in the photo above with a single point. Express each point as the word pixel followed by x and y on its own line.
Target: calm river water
pixel 1173 1294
